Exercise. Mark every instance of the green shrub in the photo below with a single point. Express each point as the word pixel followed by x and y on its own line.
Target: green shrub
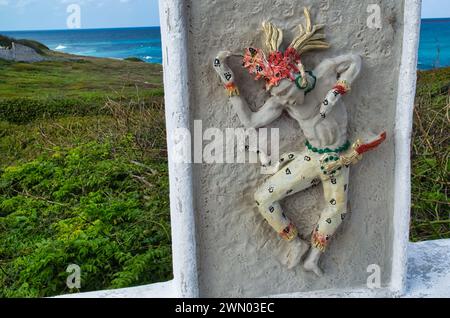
pixel 431 157
pixel 6 41
pixel 91 206
pixel 24 110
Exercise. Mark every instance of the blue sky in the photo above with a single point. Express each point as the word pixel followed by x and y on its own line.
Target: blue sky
pixel 435 8
pixel 51 14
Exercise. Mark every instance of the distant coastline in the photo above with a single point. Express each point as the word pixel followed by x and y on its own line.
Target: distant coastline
pixel 84 29
pixel 435 20
pixel 116 43
pixel 145 42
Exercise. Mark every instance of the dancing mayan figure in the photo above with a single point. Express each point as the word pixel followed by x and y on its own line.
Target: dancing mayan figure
pixel 314 100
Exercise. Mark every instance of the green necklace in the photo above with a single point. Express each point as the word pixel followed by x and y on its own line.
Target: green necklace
pixel 343 148
pixel 309 86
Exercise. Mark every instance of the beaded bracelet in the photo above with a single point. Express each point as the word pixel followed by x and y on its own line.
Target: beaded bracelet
pixel 232 89
pixel 342 87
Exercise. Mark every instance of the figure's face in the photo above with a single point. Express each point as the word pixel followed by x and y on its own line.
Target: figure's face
pixel 289 93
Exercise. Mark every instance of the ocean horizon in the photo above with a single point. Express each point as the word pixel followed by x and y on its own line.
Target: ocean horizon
pixel 145 42
pixel 116 43
pixel 434 50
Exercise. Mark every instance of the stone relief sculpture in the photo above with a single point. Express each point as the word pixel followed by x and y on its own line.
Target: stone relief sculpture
pixel 315 100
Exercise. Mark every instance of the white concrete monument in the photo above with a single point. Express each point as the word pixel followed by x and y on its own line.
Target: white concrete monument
pixel 314 100
pixel 222 244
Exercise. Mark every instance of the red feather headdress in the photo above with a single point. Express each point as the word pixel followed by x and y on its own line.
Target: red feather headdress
pixel 277 65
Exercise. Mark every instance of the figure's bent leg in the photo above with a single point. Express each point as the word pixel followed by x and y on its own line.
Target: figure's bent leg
pixel 293 249
pixel 298 175
pixel 335 193
pixel 270 166
pixel 294 177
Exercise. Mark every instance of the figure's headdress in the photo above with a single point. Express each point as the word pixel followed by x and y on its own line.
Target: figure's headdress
pixel 275 65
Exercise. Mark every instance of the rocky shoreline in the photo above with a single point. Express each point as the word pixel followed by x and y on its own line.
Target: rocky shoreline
pixel 21 53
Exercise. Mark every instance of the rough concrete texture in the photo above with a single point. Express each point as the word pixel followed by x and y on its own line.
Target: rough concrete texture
pixel 235 246
pixel 428 277
pixel 20 53
pixel 428 271
pixel 157 290
pixel 174 36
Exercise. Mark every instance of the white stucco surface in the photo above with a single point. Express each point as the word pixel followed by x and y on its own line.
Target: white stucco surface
pixel 403 128
pixel 235 246
pixel 429 270
pixel 160 290
pixel 428 276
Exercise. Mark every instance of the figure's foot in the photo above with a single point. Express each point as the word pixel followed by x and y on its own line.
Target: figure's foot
pixel 311 263
pixel 292 252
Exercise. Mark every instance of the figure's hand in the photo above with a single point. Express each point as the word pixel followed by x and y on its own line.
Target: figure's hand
pixel 328 103
pixel 221 67
pixel 341 88
pixel 225 72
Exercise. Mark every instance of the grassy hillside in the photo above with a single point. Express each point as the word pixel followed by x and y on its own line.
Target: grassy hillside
pixel 430 157
pixel 74 87
pixel 79 78
pixel 83 176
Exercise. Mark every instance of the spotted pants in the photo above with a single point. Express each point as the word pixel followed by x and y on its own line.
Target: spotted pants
pixel 300 171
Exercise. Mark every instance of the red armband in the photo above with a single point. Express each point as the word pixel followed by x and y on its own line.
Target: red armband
pixel 232 89
pixel 342 87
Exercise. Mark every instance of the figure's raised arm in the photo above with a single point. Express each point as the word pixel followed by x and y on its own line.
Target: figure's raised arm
pixel 347 67
pixel 269 112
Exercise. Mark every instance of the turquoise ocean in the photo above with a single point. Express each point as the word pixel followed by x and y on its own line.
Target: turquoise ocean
pixel 145 43
pixel 434 48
